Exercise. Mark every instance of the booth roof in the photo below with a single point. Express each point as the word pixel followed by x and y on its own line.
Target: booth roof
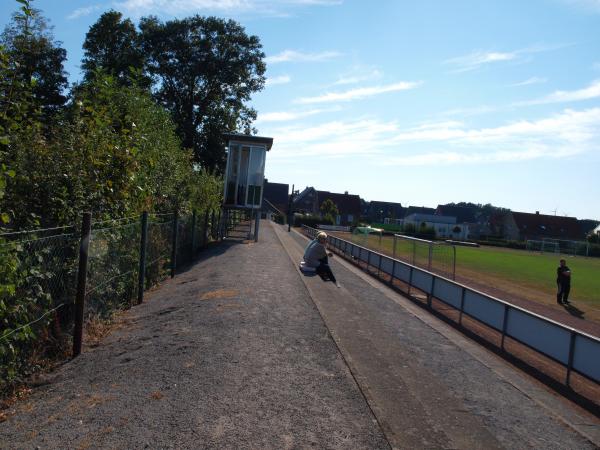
pixel 247 138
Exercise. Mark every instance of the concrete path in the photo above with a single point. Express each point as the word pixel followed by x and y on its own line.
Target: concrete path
pixel 429 386
pixel 237 352
pixel 230 354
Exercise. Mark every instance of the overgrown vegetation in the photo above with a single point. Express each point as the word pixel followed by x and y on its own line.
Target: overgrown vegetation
pixel 130 137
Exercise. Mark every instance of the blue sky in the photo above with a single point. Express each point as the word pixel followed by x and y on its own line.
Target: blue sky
pixel 419 102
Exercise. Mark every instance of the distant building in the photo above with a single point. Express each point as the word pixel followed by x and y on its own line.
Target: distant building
pixel 588 226
pixel 463 214
pixel 418 210
pixel 276 196
pixel 444 226
pixel 310 201
pixel 379 211
pixel 520 226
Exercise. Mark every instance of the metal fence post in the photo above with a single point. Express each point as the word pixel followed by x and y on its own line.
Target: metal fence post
pixel 414 255
pixel 193 233
pixel 205 229
pixel 212 224
pixel 454 264
pixel 84 246
pixel 430 295
pixel 430 256
pixel 394 249
pixel 571 355
pixel 256 225
pixel 174 249
pixel 219 231
pixel 143 245
pixel 504 325
pixel 462 305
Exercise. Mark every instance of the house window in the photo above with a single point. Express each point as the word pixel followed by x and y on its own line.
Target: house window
pixel 351 218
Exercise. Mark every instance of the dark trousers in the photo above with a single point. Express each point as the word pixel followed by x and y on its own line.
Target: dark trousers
pixel 324 271
pixel 563 293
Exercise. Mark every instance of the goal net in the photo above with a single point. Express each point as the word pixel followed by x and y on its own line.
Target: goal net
pixel 438 257
pixel 542 246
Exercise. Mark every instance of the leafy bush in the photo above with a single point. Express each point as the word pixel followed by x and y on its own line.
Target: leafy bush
pixel 311 220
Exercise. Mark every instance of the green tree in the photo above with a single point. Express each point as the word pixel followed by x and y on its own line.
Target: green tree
pixel 35 59
pixel 113 45
pixel 206 69
pixel 329 210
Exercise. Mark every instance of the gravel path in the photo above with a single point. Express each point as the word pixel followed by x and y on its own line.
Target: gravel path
pixel 230 354
pixel 426 389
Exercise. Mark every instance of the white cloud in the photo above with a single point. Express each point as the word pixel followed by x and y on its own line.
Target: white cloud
pixel 478 59
pixel 587 5
pixel 527 82
pixel 285 116
pixel 559 136
pixel 295 56
pixel 359 93
pixel 358 76
pixel 85 11
pixel 253 7
pixel 281 79
pixel 587 93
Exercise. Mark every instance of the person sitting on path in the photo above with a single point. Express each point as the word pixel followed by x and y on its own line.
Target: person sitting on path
pixel 563 282
pixel 316 257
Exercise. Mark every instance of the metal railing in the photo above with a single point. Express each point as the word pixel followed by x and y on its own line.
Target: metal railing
pixel 575 350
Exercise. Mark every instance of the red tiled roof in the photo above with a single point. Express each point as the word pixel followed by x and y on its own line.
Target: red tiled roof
pixel 346 203
pixel 543 225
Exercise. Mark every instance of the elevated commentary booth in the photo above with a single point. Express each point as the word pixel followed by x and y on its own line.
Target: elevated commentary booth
pixel 244 177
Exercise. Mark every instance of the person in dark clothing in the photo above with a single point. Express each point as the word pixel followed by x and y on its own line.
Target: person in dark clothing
pixel 563 282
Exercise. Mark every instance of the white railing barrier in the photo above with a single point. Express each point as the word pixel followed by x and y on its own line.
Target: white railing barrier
pixel 574 349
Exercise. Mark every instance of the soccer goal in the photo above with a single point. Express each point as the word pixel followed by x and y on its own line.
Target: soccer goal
pixel 438 257
pixel 368 237
pixel 542 246
pixel 567 247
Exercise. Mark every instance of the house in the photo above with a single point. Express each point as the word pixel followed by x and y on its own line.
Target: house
pixel 444 226
pixel 310 201
pixel 379 211
pixel 276 197
pixel 520 226
pixel 588 226
pixel 418 210
pixel 463 214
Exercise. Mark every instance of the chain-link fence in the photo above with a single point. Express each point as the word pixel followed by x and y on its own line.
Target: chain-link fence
pixel 40 272
pixel 37 272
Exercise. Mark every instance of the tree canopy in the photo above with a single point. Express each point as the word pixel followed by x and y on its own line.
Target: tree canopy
pixel 201 69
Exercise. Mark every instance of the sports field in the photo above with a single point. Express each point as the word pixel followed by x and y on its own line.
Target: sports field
pixel 507 273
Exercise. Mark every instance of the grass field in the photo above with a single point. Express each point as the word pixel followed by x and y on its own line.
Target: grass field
pixel 506 272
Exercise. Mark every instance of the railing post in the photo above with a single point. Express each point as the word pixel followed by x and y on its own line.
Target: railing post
pixel 257 225
pixel 430 256
pixel 143 245
pixel 193 233
pixel 454 264
pixel 394 249
pixel 462 305
pixel 410 277
pixel 414 255
pixel 571 355
pixel 219 230
pixel 174 249
pixel 504 325
pixel 393 271
pixel 84 246
pixel 430 295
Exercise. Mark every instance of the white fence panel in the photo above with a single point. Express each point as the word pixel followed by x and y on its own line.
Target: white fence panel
pixel 539 334
pixel 485 309
pixel 447 292
pixel 387 265
pixel 587 357
pixel 402 272
pixel 422 280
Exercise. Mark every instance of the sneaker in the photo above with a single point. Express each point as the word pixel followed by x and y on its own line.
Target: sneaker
pixel 566 302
